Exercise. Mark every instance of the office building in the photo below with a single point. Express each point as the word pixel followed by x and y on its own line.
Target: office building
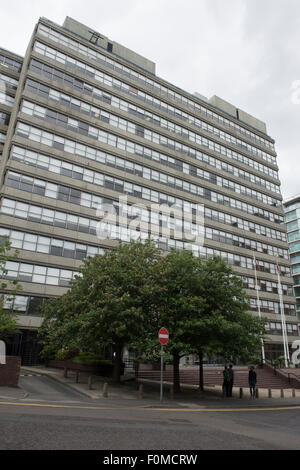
pixel 90 121
pixel 292 219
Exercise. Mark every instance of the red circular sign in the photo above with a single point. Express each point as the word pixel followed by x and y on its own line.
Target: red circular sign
pixel 163 336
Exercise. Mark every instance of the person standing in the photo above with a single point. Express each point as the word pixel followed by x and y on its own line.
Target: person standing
pixel 252 382
pixel 225 381
pixel 231 380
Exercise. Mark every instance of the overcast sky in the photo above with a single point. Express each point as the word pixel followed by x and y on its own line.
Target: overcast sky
pixel 245 51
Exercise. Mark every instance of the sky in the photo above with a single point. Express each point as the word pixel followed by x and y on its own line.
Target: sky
pixel 245 51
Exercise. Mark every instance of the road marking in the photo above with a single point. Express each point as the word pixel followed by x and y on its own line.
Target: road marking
pixel 30 375
pixel 55 406
pixel 186 410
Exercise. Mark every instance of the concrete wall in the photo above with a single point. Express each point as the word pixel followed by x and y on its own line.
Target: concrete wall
pixel 238 113
pixel 254 122
pixel 117 48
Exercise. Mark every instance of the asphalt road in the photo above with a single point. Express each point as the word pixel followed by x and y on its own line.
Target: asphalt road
pixel 43 388
pixel 53 417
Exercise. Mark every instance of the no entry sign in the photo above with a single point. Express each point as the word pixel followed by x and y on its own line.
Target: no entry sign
pixel 163 336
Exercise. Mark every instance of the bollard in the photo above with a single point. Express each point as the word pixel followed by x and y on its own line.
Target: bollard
pixel 141 391
pixel 293 393
pixel 77 377
pixel 171 391
pixel 65 373
pixel 105 392
pixel 90 380
pixel 241 392
pixel 270 393
pixel 282 393
pixel 257 393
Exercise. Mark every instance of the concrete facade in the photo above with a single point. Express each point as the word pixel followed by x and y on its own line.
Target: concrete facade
pixel 91 122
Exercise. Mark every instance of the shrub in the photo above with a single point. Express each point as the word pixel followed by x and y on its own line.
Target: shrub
pixel 90 359
pixel 281 360
pixel 64 354
pixel 254 360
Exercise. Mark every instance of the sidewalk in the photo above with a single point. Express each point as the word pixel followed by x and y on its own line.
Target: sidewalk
pixel 189 397
pixel 9 393
pixel 114 391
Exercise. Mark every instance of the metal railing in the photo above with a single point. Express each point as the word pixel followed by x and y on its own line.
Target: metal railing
pixel 295 381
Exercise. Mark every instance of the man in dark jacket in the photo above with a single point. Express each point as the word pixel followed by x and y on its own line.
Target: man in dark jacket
pixel 225 381
pixel 252 381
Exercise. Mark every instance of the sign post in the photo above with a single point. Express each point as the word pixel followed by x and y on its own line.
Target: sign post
pixel 161 372
pixel 2 352
pixel 163 337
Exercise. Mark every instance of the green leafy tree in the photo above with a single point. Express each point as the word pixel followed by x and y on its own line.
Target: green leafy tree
pixel 60 329
pixel 122 298
pixel 205 309
pixel 109 304
pixel 9 289
pixel 178 304
pixel 224 327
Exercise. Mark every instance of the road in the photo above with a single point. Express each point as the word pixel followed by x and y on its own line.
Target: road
pixel 53 417
pixel 43 388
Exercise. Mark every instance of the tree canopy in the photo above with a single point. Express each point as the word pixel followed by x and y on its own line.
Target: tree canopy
pixel 205 309
pixel 123 297
pixel 8 322
pixel 110 303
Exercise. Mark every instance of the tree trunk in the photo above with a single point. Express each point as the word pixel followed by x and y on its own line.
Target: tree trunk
pixel 176 377
pixel 136 366
pixel 136 363
pixel 201 381
pixel 117 363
